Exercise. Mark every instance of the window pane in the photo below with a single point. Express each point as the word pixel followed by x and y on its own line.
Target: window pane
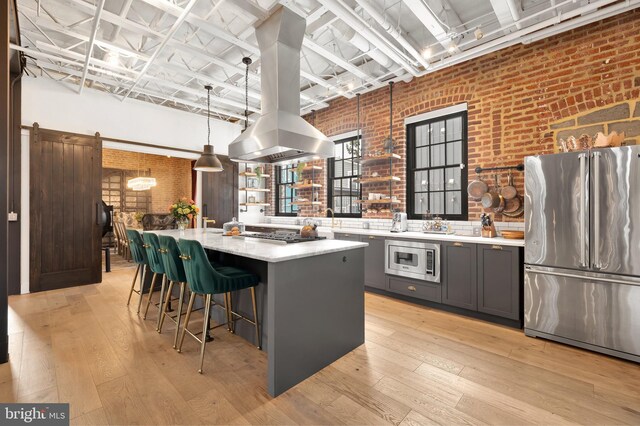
pixel 337 204
pixel 453 202
pixel 420 204
pixel 454 129
pixel 452 178
pixel 437 132
pixel 437 202
pixel 454 153
pixel 436 180
pixel 347 168
pixel 422 157
pixel 338 151
pixel 338 169
pixel 422 135
pixel 437 156
pixel 421 181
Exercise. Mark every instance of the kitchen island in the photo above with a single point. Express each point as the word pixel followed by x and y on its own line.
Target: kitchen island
pixel 310 299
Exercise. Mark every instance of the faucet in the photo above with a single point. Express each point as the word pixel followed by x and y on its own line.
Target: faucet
pixel 333 221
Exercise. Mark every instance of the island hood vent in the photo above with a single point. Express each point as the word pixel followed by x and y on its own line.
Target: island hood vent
pixel 280 135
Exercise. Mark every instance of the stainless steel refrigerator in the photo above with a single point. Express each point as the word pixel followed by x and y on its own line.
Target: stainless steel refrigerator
pixel 582 249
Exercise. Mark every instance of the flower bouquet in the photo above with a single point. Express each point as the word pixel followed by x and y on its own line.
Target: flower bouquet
pixel 184 210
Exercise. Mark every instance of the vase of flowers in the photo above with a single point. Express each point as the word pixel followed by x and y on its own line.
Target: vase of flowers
pixel 184 210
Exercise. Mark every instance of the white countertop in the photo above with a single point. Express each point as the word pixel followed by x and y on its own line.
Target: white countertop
pixel 323 230
pixel 261 250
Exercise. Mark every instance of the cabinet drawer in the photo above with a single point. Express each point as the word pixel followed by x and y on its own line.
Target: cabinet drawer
pixel 418 289
pixel 346 237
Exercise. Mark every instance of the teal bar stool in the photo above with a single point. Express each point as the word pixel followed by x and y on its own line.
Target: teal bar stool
pixel 152 247
pixel 206 280
pixel 174 271
pixel 139 256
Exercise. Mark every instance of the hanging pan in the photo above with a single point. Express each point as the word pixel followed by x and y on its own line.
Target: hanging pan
pixel 477 189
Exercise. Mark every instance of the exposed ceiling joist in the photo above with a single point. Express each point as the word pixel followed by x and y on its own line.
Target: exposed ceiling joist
pixel 178 22
pixel 91 44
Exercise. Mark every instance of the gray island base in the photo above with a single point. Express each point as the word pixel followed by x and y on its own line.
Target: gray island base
pixel 310 300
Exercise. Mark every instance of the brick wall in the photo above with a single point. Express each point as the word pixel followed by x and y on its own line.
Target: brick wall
pixel 173 175
pixel 513 97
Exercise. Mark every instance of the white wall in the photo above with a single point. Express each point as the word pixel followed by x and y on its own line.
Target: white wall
pixel 58 106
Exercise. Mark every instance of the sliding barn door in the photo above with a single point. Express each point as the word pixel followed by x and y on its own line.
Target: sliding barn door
pixel 220 193
pixel 65 246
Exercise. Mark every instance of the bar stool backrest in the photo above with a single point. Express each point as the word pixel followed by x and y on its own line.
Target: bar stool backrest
pixel 152 247
pixel 201 276
pixel 170 255
pixel 138 253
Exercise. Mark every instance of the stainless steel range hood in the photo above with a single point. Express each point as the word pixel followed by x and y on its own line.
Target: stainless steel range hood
pixel 280 135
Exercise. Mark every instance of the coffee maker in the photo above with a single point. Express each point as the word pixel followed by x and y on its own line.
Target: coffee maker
pixel 399 222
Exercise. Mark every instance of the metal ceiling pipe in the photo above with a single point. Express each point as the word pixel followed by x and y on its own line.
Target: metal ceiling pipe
pixel 349 17
pixel 515 13
pixel 393 32
pixel 362 44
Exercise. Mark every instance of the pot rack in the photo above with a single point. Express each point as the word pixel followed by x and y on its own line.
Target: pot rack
pixel 518 167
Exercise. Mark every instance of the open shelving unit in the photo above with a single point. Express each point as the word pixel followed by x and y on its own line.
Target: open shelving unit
pixel 313 186
pixel 257 187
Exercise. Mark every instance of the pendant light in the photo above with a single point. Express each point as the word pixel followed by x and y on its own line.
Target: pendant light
pixel 141 183
pixel 208 161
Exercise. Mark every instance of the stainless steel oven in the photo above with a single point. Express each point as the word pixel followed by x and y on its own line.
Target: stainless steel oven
pixel 413 259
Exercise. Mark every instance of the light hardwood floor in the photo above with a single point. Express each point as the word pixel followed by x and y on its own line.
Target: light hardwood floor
pixel 419 366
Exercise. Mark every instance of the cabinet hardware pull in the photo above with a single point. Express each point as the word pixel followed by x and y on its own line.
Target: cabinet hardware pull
pixel 495 247
pixel 411 288
pixel 347 235
pixel 371 237
pixel 458 244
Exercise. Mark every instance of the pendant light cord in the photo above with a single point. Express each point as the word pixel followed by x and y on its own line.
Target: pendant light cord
pixel 247 61
pixel 208 115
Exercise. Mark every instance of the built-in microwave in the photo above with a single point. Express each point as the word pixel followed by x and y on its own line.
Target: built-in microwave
pixel 413 259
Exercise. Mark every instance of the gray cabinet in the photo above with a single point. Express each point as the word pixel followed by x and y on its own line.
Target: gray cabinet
pixel 499 280
pixel 346 236
pixel 374 260
pixel 415 288
pixel 459 274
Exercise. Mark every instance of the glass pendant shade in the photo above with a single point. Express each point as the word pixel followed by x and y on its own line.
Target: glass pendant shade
pixel 208 161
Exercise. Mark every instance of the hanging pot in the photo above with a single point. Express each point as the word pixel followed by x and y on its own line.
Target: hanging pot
pixel 477 189
pixel 518 212
pixel 512 205
pixel 509 191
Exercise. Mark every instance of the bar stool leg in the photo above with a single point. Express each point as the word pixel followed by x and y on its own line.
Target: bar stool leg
pixel 175 338
pixel 192 298
pixel 153 284
pixel 142 280
pixel 227 308
pixel 207 336
pixel 205 329
pixel 133 284
pixel 163 287
pixel 164 307
pixel 255 317
pixel 232 323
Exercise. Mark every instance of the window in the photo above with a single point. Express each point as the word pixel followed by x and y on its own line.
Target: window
pixel 285 194
pixel 115 192
pixel 344 170
pixel 437 147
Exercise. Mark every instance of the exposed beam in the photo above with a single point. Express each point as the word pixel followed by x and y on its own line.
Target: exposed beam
pixel 124 10
pixel 315 47
pixel 503 12
pixel 431 22
pixel 178 22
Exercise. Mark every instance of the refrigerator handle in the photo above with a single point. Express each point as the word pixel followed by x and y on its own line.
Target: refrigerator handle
pixel 596 211
pixel 583 212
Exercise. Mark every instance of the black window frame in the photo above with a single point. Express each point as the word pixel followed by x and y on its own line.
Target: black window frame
pixel 291 179
pixel 331 178
pixel 411 166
